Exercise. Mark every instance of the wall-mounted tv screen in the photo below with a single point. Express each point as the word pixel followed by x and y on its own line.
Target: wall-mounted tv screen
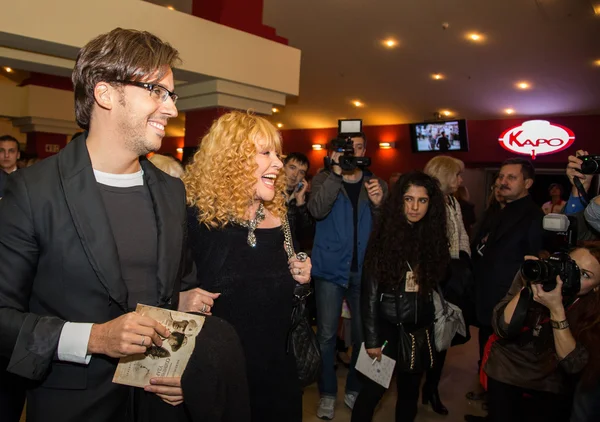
pixel 450 135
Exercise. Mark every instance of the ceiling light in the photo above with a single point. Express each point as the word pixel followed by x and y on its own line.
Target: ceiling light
pixel 437 76
pixel 597 63
pixel 357 103
pixel 317 147
pixel 597 9
pixel 523 85
pixel 390 43
pixel 509 111
pixel 180 150
pixel 170 8
pixel 474 36
pixel 8 69
pixel 275 110
pixel 446 113
pixel 279 125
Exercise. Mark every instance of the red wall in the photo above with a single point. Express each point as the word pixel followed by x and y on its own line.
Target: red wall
pixel 484 148
pixel 170 145
pixel 45 144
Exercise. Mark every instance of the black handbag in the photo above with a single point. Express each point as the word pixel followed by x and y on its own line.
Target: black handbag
pixel 302 340
pixel 415 348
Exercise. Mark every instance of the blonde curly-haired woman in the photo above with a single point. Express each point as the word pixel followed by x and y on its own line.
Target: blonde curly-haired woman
pixel 235 192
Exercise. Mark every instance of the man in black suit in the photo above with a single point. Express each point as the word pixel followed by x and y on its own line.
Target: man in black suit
pixel 516 232
pixel 87 234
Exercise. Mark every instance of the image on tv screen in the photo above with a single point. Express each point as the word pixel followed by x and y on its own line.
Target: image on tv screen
pixel 442 136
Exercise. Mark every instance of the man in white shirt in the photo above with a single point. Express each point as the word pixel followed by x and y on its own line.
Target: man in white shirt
pixel 87 234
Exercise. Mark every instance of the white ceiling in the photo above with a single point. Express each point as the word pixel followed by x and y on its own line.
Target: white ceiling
pixel 550 43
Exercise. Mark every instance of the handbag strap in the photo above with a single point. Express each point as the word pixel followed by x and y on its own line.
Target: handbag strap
pixel 287 234
pixel 442 300
pixel 301 291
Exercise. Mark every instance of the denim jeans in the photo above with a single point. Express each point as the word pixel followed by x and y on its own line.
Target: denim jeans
pixel 329 297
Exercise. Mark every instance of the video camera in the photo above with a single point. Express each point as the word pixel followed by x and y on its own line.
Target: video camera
pixel 347 129
pixel 544 271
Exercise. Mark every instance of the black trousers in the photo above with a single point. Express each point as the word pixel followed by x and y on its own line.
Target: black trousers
pixel 407 384
pixel 515 404
pixel 433 375
pixel 12 394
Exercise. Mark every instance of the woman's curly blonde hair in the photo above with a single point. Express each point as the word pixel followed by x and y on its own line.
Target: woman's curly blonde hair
pixel 220 180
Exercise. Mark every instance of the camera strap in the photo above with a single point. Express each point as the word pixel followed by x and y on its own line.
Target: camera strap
pixel 518 318
pixel 583 196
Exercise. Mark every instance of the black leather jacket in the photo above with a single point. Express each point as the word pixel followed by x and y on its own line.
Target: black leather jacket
pixel 393 304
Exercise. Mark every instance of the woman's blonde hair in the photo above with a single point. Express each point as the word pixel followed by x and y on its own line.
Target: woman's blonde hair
pixel 444 168
pixel 220 180
pixel 167 164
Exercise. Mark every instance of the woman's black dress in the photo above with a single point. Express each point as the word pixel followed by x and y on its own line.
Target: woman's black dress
pixel 256 298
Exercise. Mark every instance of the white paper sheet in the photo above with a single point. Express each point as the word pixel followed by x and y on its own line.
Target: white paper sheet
pixel 380 372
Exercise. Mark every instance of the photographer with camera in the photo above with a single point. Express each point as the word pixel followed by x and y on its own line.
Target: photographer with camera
pixel 548 332
pixel 586 214
pixel 343 199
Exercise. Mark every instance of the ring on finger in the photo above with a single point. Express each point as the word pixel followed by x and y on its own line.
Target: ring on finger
pixel 143 340
pixel 204 307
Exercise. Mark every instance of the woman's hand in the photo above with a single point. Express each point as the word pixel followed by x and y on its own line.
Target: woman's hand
pixel 375 353
pixel 553 300
pixel 168 389
pixel 197 300
pixel 300 269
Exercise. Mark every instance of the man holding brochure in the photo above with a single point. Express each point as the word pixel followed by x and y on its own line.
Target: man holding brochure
pixel 87 234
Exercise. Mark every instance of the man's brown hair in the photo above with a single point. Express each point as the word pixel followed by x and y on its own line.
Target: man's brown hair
pixel 120 55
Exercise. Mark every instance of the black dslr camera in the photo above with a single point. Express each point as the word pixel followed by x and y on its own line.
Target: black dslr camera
pixel 347 129
pixel 591 164
pixel 544 272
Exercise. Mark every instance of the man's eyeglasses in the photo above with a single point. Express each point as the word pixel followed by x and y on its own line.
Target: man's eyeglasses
pixel 158 92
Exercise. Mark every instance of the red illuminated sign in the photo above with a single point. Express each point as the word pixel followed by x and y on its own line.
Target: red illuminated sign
pixel 536 137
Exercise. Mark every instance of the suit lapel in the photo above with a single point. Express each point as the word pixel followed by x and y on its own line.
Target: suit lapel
pixel 514 220
pixel 89 217
pixel 169 221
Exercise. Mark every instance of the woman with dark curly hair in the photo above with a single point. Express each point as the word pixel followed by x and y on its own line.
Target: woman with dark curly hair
pixel 407 256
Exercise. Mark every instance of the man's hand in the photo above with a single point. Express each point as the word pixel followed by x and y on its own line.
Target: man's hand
pixel 197 300
pixel 374 191
pixel 574 170
pixel 168 389
pixel 300 194
pixel 130 334
pixel 335 158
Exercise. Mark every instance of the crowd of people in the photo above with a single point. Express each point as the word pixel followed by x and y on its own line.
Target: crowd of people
pixel 91 232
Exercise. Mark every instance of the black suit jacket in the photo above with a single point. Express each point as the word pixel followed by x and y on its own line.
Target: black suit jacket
pixel 3 179
pixel 516 232
pixel 58 263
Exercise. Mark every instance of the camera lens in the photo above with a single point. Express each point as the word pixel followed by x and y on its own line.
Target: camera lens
pixel 589 165
pixel 534 271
